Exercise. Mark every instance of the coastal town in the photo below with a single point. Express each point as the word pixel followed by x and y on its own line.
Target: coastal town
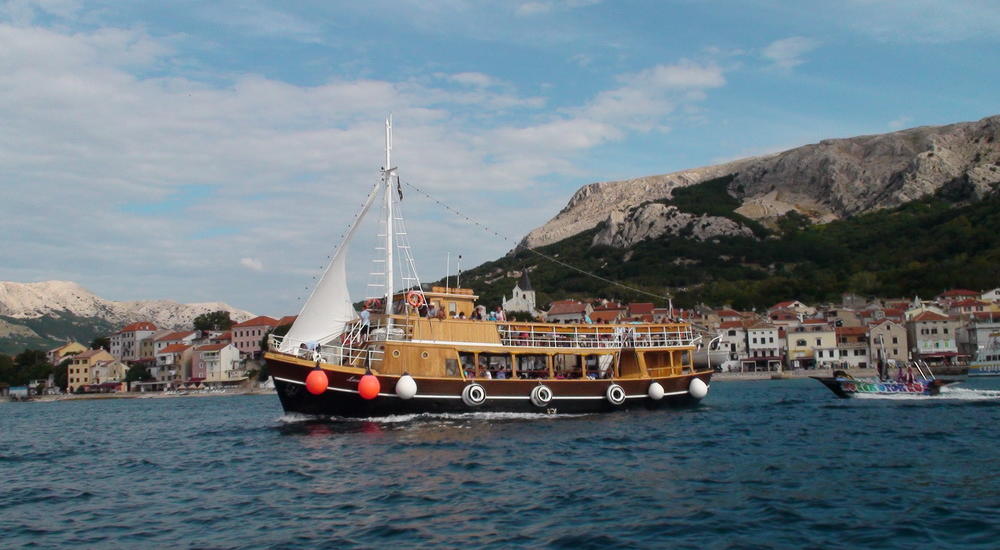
pixel 945 332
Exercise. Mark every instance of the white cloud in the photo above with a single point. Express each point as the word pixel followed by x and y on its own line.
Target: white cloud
pixel 252 264
pixel 787 52
pixel 153 178
pixel 900 122
pixel 528 9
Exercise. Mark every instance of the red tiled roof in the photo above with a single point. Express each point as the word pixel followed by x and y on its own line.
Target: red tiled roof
pixel 731 324
pixel 931 316
pixel 563 307
pixel 783 305
pixel 259 321
pixel 88 354
pixel 175 336
pixel 174 348
pixel 604 315
pixel 956 292
pixel 851 331
pixel 727 313
pixel 228 335
pixel 287 320
pixel 969 302
pixel 141 325
pixel 640 308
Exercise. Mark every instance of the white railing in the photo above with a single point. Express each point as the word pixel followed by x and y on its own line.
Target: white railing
pixel 352 351
pixel 596 336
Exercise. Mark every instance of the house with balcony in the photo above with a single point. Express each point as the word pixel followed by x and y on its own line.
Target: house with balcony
pixel 763 348
pixel 852 347
pixel 78 372
pixel 173 365
pixel 933 337
pixel 217 364
pixel 125 344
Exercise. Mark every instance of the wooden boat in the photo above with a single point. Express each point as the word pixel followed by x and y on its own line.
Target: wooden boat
pixel 392 360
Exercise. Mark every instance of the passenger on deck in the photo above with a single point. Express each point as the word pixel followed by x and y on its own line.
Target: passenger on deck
pixel 500 315
pixel 476 316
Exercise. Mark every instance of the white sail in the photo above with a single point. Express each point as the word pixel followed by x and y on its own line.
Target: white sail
pixel 329 307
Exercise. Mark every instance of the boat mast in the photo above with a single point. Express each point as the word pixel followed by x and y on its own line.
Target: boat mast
pixel 387 176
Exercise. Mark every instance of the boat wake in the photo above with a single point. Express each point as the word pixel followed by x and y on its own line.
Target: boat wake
pixel 948 393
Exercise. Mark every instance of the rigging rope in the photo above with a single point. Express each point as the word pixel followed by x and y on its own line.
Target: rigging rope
pixel 537 252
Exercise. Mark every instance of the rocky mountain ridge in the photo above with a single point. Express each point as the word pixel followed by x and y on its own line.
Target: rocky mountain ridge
pixel 57 298
pixel 830 180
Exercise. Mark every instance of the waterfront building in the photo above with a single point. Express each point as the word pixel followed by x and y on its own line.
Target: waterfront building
pixel 56 355
pixel 217 363
pixel 968 306
pixel 109 375
pixel 568 311
pixel 852 346
pixel 172 365
pixel 933 336
pixel 842 317
pixel 733 337
pixel 125 344
pixel 78 372
pixel 980 331
pixel 522 297
pixel 763 347
pixel 248 335
pixel 887 342
pixel 170 338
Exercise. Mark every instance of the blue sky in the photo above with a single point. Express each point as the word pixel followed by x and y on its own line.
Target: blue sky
pixel 215 151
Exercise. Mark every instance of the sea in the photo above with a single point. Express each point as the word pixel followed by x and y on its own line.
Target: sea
pixel 759 464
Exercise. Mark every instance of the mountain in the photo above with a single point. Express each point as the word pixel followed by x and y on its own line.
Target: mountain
pixel 831 180
pixel 901 214
pixel 42 314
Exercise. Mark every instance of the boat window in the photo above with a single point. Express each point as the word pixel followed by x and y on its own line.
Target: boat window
pixel 532 366
pixel 600 366
pixel 494 365
pixel 451 367
pixel 565 365
pixel 468 361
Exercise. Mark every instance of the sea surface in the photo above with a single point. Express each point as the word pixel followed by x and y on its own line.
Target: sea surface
pixel 766 464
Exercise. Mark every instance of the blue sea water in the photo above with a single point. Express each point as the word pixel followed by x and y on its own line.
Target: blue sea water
pixel 775 464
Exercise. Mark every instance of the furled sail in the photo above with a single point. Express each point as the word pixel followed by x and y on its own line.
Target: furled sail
pixel 329 307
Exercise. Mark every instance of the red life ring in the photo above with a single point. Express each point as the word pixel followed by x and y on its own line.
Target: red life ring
pixel 414 298
pixel 373 303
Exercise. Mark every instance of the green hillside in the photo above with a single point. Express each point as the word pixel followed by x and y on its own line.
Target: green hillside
pixel 921 248
pixel 53 331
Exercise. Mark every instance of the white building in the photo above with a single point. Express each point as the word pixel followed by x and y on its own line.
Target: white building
pixel 126 343
pixel 763 347
pixel 522 298
pixel 933 336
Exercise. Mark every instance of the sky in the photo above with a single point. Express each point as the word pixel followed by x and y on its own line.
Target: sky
pixel 216 151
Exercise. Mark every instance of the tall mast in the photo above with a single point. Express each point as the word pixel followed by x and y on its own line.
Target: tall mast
pixel 387 176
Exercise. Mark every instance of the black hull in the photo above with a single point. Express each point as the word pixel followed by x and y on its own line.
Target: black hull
pixel 295 399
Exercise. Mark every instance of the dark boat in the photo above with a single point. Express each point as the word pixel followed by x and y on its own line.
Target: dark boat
pixel 913 381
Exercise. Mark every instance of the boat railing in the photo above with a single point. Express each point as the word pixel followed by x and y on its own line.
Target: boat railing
pixel 344 350
pixel 596 336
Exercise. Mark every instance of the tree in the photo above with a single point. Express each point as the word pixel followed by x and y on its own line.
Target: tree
pixel 30 364
pixel 216 320
pixel 137 373
pixel 101 342
pixel 7 370
pixel 60 374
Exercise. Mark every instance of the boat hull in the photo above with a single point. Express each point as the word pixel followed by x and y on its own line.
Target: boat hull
pixel 850 387
pixel 442 395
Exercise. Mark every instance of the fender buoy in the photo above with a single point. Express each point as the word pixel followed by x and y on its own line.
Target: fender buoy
pixel 414 298
pixel 615 394
pixel 541 395
pixel 697 388
pixel 474 395
pixel 655 391
pixel 368 386
pixel 316 381
pixel 373 303
pixel 406 387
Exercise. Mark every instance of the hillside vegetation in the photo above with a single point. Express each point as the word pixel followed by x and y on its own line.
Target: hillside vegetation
pixel 920 248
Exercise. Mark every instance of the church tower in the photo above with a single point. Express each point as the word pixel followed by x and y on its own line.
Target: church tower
pixel 522 297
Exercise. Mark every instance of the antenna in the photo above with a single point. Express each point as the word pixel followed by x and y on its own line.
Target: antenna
pixel 458 281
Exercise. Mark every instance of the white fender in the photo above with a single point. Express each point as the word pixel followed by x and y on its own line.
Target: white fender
pixel 655 391
pixel 541 395
pixel 406 387
pixel 615 394
pixel 697 388
pixel 474 395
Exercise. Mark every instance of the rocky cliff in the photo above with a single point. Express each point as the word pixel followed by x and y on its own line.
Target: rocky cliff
pixel 55 298
pixel 829 180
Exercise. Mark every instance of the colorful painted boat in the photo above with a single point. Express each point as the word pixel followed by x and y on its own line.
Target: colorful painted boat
pixel 395 358
pixel 915 381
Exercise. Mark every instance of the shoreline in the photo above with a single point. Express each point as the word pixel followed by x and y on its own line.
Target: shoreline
pixel 139 395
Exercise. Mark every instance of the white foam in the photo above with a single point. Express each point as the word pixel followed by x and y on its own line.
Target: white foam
pixel 952 393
